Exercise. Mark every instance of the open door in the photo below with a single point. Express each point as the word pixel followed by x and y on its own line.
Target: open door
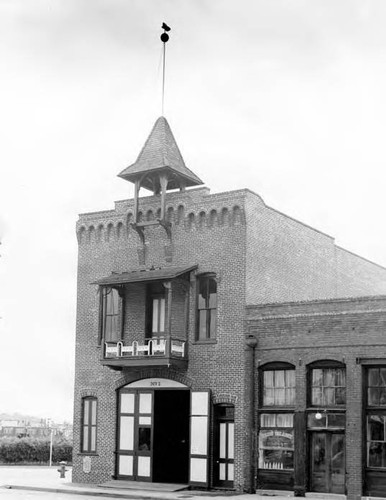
pixel 199 438
pixel 135 436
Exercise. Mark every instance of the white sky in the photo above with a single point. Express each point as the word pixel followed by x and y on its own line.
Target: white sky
pixel 286 98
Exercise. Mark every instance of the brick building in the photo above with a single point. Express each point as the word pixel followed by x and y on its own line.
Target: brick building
pixel 171 290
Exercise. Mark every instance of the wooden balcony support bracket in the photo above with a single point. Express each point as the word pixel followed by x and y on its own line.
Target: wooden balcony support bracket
pixel 168 228
pixel 140 231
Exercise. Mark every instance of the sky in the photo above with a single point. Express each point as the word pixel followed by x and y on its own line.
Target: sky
pixel 283 97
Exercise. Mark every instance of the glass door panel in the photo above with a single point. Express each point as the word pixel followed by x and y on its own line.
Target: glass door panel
pixel 126 433
pixel 224 453
pixel 328 462
pixel 337 463
pixel 319 463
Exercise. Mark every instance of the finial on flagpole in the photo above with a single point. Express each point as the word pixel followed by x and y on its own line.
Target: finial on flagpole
pixel 164 38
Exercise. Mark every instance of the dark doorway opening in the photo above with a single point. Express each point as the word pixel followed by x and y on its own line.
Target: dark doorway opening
pixel 171 436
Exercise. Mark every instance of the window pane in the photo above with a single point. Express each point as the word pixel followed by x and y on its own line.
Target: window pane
pixel 268 420
pixel 114 301
pixel 114 328
pixel 223 430
pixel 85 438
pixel 312 421
pixel 127 403
pixel 336 420
pixel 268 398
pixel 373 377
pixel 279 378
pixel 202 324
pixel 145 403
pixel 93 411
pixel 290 378
pixel 316 398
pixel 329 396
pixel 317 378
pixel 290 396
pixel 340 396
pixel 382 396
pixel 155 316
pixel 376 426
pixel 231 473
pixel 144 438
pixel 382 377
pixel 212 293
pixel 231 439
pixel 279 397
pixel 285 420
pixel 203 293
pixel 162 315
pixel 268 379
pixel 212 332
pixel 376 453
pixel 93 439
pixel 373 396
pixel 329 377
pixel 126 433
pixel 86 403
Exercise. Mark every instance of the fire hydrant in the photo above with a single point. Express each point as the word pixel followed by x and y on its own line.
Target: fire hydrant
pixel 62 469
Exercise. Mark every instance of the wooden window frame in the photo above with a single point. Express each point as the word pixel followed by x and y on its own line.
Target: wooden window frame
pixel 325 365
pixel 154 290
pixel 276 366
pixel 209 335
pixel 103 315
pixel 89 425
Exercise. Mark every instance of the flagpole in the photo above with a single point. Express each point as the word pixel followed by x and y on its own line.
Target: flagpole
pixel 164 39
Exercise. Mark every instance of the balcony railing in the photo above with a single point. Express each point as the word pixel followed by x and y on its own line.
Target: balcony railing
pixel 155 351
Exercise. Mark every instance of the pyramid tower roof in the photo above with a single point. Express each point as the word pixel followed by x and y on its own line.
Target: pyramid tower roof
pixel 160 153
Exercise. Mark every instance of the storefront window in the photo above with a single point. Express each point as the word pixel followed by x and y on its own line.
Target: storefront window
pixel 376 441
pixel 276 441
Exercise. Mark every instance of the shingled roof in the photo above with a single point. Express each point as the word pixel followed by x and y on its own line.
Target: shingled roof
pixel 160 152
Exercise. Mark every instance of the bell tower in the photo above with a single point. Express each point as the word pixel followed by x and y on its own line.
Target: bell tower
pixel 158 168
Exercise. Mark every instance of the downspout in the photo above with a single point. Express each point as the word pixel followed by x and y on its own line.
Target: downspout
pixel 251 343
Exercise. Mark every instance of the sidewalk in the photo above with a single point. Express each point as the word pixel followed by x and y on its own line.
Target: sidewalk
pixel 43 478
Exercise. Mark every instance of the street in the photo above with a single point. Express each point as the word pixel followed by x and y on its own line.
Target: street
pixel 9 494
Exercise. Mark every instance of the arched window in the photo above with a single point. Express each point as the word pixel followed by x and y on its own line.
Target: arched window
pixel 89 424
pixel 206 307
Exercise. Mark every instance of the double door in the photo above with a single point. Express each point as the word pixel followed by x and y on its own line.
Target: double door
pixel 162 434
pixel 328 462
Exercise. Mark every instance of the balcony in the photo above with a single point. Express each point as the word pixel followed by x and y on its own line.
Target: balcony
pixel 153 352
pixel 144 317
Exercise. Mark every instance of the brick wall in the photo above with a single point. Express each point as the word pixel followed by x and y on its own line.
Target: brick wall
pixel 206 230
pixel 289 261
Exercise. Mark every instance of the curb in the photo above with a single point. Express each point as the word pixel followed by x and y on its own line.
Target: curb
pixel 95 493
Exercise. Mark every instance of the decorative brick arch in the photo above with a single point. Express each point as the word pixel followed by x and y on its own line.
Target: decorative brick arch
pixel 224 398
pixel 162 372
pixel 87 393
pixel 333 359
